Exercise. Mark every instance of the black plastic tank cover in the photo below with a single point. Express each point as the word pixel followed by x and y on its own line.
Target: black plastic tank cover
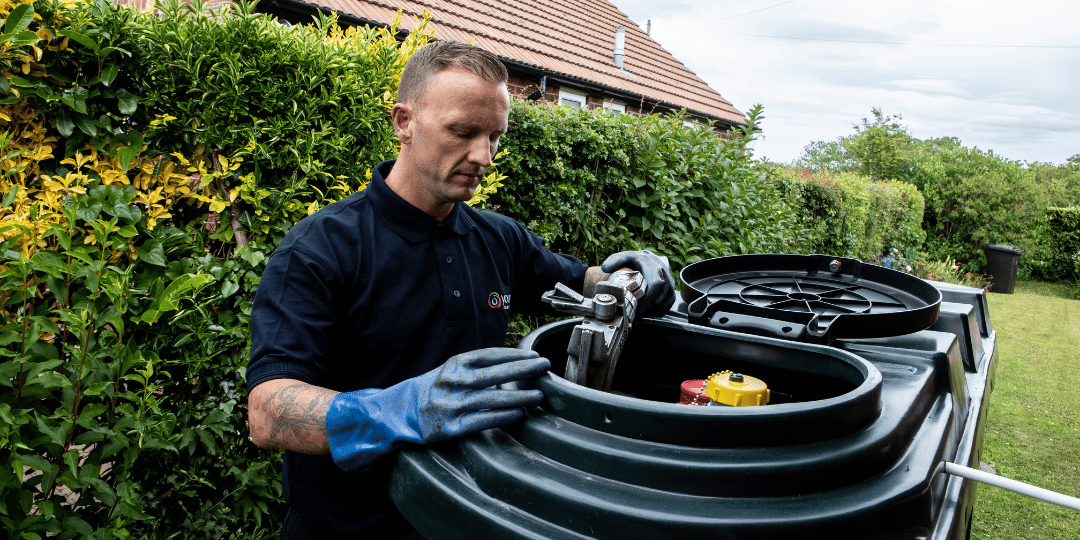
pixel 807 297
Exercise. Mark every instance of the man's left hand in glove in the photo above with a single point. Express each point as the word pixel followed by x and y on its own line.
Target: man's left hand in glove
pixel 656 271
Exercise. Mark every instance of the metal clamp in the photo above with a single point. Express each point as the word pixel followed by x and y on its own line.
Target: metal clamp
pixel 597 342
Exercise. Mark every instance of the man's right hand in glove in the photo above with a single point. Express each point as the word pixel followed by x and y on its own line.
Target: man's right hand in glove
pixel 452 400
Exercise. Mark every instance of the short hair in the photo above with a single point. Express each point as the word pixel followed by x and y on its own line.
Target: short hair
pixel 442 55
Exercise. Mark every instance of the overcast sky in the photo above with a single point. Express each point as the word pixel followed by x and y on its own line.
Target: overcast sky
pixel 948 75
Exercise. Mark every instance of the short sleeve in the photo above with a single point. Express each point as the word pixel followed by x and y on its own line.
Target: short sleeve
pixel 538 269
pixel 291 318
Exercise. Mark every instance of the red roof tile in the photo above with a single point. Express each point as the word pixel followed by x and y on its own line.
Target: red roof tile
pixel 572 38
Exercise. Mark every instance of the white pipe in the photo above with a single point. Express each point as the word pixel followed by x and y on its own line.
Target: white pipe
pixel 1013 485
pixel 620 41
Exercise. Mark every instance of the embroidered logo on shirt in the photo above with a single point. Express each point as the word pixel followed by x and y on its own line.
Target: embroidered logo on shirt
pixel 496 301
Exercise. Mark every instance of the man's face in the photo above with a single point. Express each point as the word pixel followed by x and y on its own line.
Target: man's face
pixel 453 134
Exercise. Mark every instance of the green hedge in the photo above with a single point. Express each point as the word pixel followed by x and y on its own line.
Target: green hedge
pixel 1058 255
pixel 850 215
pixel 593 183
pixel 149 165
pixel 152 163
pixel 305 106
pixel 974 198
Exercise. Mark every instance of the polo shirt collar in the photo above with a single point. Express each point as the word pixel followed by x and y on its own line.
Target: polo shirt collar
pixel 406 220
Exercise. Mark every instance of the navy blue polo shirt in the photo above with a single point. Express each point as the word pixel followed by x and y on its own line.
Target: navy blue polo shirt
pixel 371 291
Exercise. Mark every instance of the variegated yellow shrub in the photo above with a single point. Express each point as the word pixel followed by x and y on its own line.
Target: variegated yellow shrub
pixel 37 199
pixel 143 185
pixel 29 210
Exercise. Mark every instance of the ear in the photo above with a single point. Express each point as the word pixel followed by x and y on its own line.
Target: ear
pixel 403 117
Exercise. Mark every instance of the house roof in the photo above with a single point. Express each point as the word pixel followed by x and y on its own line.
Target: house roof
pixel 574 39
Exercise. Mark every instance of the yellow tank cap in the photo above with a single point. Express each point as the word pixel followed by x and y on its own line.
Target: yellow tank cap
pixel 736 389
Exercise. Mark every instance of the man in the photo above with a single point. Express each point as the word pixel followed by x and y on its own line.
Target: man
pixel 378 321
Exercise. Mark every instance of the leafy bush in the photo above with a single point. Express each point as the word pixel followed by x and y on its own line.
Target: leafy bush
pixel 851 215
pixel 975 198
pixel 592 183
pixel 563 167
pixel 305 108
pixel 140 196
pixel 1059 185
pixel 881 148
pixel 972 197
pixel 694 196
pixel 1076 284
pixel 1059 245
pixel 76 285
pixel 826 155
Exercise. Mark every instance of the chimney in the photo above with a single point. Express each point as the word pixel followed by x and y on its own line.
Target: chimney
pixel 620 40
pixel 648 27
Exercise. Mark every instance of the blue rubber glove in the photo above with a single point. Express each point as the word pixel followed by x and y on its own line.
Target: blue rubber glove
pixel 452 400
pixel 660 286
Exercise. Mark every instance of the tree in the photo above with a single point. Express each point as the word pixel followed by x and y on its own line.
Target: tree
pixel 827 155
pixel 882 148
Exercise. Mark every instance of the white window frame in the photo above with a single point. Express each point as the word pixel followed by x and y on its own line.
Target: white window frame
pixel 614 107
pixel 573 96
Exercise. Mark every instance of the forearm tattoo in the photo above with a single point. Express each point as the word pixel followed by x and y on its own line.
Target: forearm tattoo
pixel 297 416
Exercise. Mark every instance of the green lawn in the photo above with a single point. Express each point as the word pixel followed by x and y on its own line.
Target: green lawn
pixel 1033 430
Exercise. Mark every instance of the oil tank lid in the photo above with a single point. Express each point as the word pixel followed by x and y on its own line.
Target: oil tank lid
pixel 736 389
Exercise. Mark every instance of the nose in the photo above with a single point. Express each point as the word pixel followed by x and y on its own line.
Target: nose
pixel 480 152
